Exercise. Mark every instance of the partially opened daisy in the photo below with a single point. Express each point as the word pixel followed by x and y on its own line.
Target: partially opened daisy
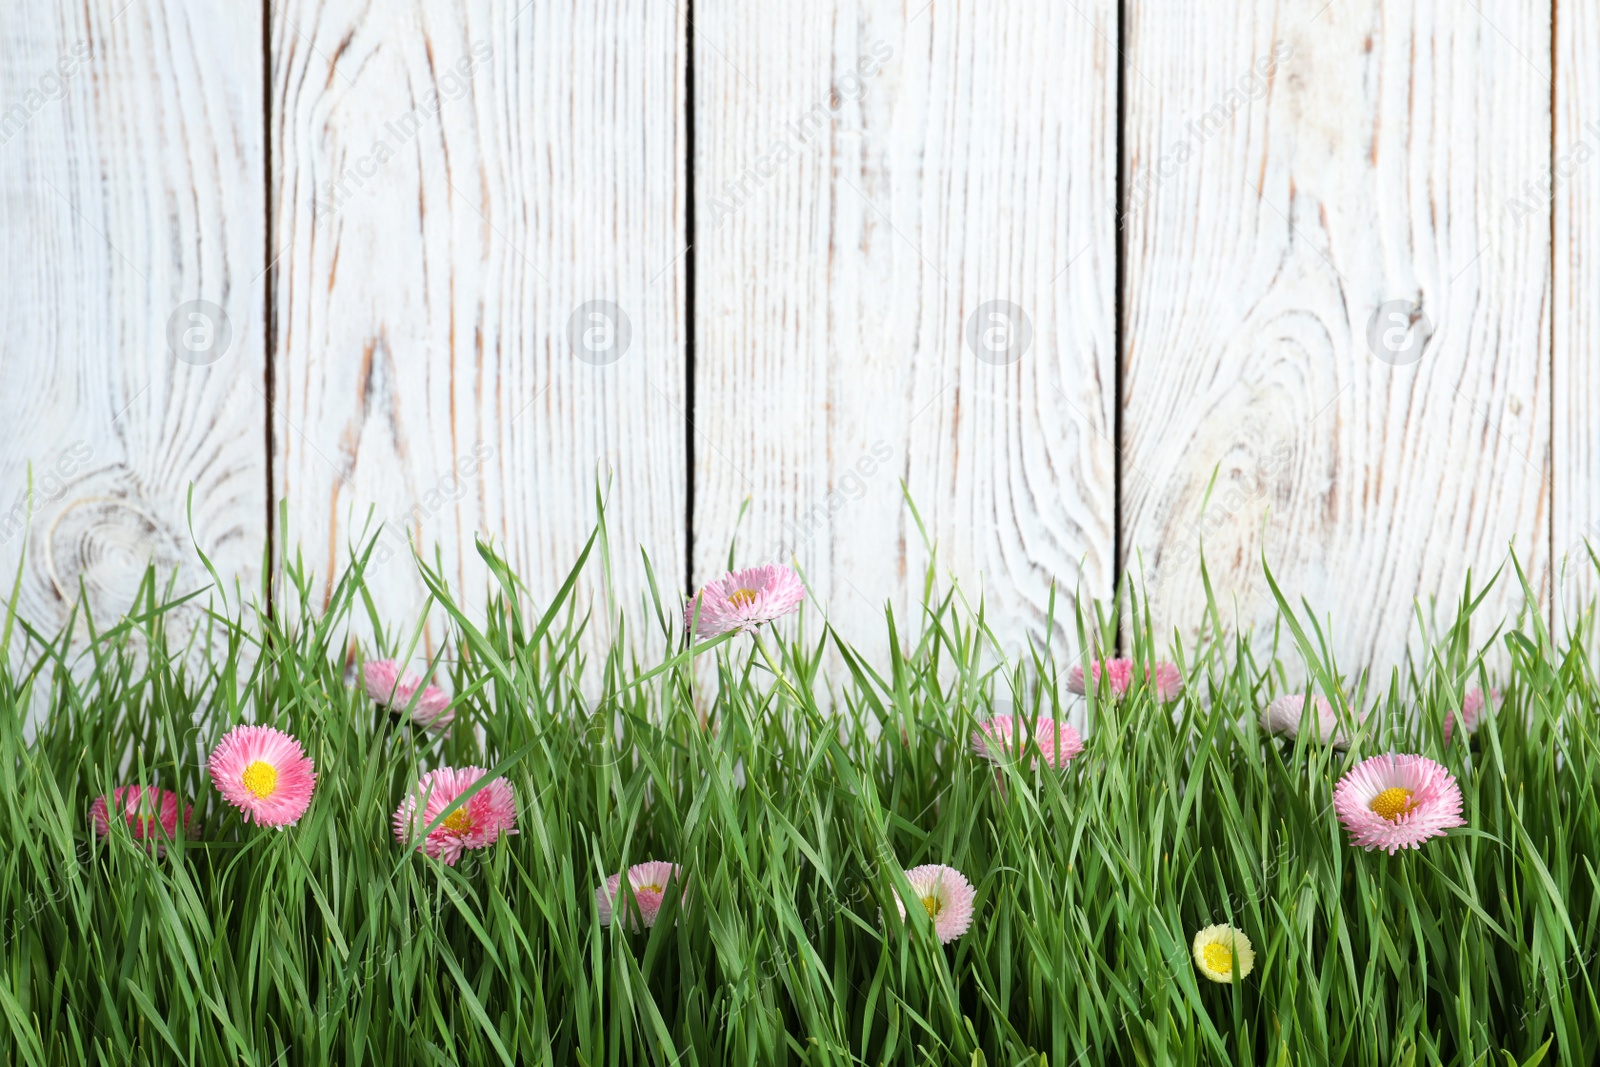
pixel 264 773
pixel 1282 718
pixel 1004 737
pixel 150 814
pixel 1218 948
pixel 1471 712
pixel 1163 678
pixel 389 685
pixel 478 823
pixel 743 600
pixel 1397 801
pixel 945 894
pixel 649 882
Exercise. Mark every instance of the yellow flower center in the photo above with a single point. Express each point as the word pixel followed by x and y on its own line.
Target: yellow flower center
pixel 1218 957
pixel 459 821
pixel 261 778
pixel 934 906
pixel 649 887
pixel 742 598
pixel 1392 803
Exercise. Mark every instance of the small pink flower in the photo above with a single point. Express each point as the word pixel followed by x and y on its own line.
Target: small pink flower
pixel 649 882
pixel 1163 678
pixel 743 600
pixel 1393 802
pixel 388 686
pixel 946 895
pixel 264 773
pixel 1281 718
pixel 151 814
pixel 1472 708
pixel 478 823
pixel 1002 737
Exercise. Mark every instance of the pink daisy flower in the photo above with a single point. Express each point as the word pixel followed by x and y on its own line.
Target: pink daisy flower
pixel 1002 737
pixel 743 600
pixel 478 823
pixel 1471 713
pixel 393 688
pixel 264 773
pixel 946 895
pixel 649 882
pixel 1163 678
pixel 1281 718
pixel 1393 802
pixel 151 814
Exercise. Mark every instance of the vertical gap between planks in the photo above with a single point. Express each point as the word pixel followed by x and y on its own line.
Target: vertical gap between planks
pixel 1120 311
pixel 688 299
pixel 269 322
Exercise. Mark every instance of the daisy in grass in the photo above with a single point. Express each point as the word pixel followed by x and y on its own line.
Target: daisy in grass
pixel 1281 718
pixel 743 600
pixel 1218 948
pixel 478 823
pixel 151 814
pixel 264 773
pixel 1004 736
pixel 393 688
pixel 946 895
pixel 1393 802
pixel 1163 678
pixel 1473 706
pixel 649 882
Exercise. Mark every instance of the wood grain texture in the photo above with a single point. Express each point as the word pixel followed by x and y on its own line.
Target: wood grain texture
pixel 451 182
pixel 1375 165
pixel 869 175
pixel 131 162
pixel 1574 181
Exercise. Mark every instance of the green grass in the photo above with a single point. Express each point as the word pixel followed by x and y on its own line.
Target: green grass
pixel 794 813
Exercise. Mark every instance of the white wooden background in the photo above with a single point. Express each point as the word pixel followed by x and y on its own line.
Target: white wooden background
pixel 800 210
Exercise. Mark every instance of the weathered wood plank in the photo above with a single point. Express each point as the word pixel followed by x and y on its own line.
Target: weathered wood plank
pixel 870 177
pixel 1574 181
pixel 451 184
pixel 1340 163
pixel 131 162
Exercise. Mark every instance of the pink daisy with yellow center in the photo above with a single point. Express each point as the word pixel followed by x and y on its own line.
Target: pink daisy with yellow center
pixel 1397 801
pixel 478 823
pixel 743 600
pixel 1163 678
pixel 649 882
pixel 1473 706
pixel 1005 736
pixel 393 688
pixel 264 773
pixel 945 894
pixel 150 814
